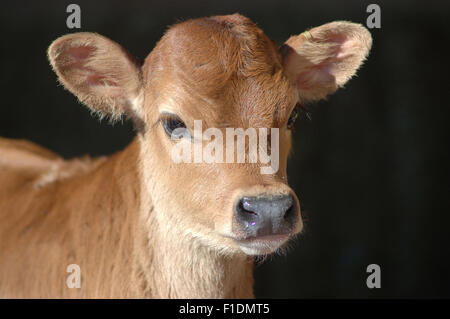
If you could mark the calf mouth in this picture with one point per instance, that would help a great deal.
(262, 245)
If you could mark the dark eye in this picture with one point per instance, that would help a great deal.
(174, 126)
(292, 118)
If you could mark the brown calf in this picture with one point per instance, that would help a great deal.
(137, 223)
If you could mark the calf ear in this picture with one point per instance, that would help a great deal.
(324, 58)
(98, 71)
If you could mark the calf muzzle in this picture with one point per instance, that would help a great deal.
(266, 215)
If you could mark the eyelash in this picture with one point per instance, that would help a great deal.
(299, 110)
(293, 117)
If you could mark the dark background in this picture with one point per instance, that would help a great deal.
(371, 168)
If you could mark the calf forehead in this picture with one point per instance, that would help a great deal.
(224, 68)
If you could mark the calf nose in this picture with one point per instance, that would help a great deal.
(266, 215)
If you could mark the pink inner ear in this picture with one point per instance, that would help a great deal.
(80, 53)
(80, 56)
(77, 56)
(323, 74)
(319, 75)
(346, 49)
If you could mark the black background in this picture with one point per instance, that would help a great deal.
(370, 169)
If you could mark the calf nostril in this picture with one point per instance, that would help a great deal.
(290, 212)
(245, 214)
(243, 208)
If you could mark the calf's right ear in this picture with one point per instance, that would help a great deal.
(99, 72)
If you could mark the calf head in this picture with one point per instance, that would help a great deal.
(225, 72)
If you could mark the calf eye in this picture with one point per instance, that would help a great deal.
(292, 118)
(174, 126)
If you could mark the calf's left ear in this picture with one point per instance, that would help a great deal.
(99, 72)
(324, 58)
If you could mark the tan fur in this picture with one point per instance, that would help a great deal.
(136, 223)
